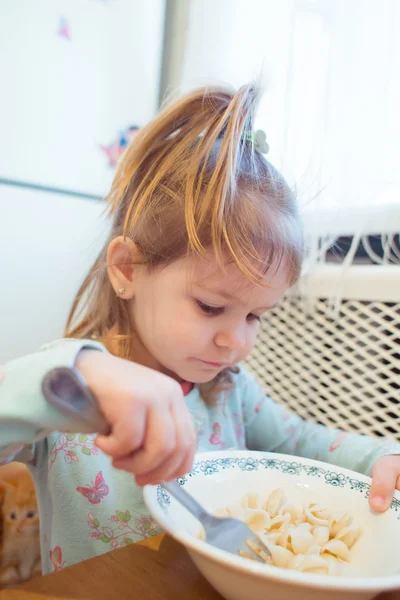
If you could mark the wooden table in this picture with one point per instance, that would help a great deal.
(156, 569)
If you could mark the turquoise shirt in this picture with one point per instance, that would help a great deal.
(86, 506)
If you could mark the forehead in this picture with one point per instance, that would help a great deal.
(206, 274)
(19, 495)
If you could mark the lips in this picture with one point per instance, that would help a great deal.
(217, 365)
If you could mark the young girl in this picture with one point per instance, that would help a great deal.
(205, 239)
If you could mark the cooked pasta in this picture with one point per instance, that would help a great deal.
(309, 538)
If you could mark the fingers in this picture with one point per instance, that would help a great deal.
(169, 448)
(159, 444)
(167, 471)
(124, 439)
(385, 478)
(181, 460)
(187, 440)
(157, 449)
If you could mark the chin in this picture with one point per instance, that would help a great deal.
(198, 376)
(199, 379)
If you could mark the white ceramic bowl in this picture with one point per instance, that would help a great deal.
(220, 479)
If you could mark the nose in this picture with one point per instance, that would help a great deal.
(232, 337)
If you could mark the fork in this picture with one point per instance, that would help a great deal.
(231, 535)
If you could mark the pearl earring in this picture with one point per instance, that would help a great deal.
(121, 291)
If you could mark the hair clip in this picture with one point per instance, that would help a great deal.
(258, 139)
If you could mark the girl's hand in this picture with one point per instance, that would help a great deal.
(385, 479)
(152, 433)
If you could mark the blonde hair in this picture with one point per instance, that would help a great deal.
(192, 180)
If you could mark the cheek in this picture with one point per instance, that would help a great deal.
(169, 322)
(189, 330)
(31, 525)
(252, 337)
(151, 310)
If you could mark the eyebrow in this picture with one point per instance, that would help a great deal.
(228, 296)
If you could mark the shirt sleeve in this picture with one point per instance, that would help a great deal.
(271, 427)
(26, 417)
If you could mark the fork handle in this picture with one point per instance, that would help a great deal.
(187, 501)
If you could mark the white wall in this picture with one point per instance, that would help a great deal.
(60, 100)
(63, 98)
(47, 243)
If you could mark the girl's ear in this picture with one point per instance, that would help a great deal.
(123, 258)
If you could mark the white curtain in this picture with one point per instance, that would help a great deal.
(331, 74)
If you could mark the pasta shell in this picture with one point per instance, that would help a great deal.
(295, 562)
(321, 511)
(302, 519)
(308, 538)
(283, 539)
(321, 534)
(251, 500)
(315, 549)
(349, 535)
(280, 556)
(278, 521)
(325, 514)
(271, 537)
(335, 566)
(338, 515)
(275, 501)
(314, 519)
(301, 540)
(338, 549)
(296, 512)
(339, 521)
(305, 526)
(258, 520)
(314, 564)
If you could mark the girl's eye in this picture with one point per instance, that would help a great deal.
(253, 317)
(13, 516)
(212, 311)
(30, 514)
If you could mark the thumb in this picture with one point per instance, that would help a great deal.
(384, 478)
(110, 445)
(124, 438)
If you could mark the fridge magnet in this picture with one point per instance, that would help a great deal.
(63, 29)
(114, 150)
